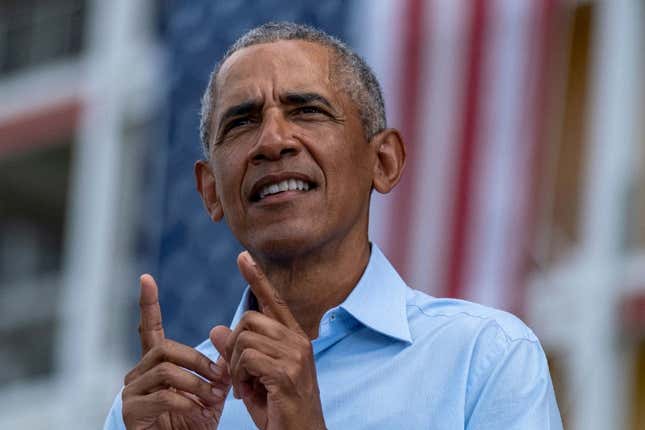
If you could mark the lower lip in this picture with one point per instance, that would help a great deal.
(282, 197)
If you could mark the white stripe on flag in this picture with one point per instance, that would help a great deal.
(499, 178)
(438, 119)
(381, 50)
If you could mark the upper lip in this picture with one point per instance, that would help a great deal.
(275, 178)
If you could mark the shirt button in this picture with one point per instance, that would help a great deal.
(332, 317)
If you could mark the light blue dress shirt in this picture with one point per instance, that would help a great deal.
(390, 357)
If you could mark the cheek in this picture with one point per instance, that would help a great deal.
(350, 174)
(228, 176)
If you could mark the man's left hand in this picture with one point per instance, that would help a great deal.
(271, 360)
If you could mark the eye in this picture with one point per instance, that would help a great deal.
(309, 110)
(230, 128)
(238, 122)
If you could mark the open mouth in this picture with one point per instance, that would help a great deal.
(282, 186)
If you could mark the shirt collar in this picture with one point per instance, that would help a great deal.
(378, 300)
(245, 305)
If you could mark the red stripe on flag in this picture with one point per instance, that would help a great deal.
(542, 38)
(467, 143)
(410, 81)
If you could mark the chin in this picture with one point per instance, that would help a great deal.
(279, 246)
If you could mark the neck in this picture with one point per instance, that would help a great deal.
(313, 283)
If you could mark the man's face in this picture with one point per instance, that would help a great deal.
(292, 167)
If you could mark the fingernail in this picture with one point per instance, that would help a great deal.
(217, 392)
(249, 259)
(207, 412)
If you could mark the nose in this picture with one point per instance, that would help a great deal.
(275, 141)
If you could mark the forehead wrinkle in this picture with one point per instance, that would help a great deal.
(276, 59)
(236, 95)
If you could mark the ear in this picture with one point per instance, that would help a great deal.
(205, 181)
(390, 159)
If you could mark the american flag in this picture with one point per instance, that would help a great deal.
(465, 81)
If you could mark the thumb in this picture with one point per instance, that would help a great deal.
(219, 335)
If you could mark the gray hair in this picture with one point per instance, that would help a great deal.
(358, 80)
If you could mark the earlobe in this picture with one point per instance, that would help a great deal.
(390, 159)
(206, 186)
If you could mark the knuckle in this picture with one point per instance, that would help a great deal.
(201, 387)
(278, 300)
(128, 414)
(161, 351)
(307, 349)
(302, 352)
(293, 373)
(295, 370)
(251, 317)
(303, 343)
(247, 318)
(244, 338)
(246, 356)
(259, 274)
(129, 377)
(284, 373)
(164, 398)
(166, 344)
(164, 373)
(155, 351)
(126, 393)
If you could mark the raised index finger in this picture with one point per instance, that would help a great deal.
(150, 326)
(272, 304)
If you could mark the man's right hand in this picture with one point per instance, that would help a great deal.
(173, 386)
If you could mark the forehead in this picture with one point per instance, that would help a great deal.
(285, 65)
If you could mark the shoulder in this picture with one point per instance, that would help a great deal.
(496, 354)
(428, 313)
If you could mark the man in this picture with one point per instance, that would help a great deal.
(327, 335)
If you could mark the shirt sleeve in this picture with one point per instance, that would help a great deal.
(114, 420)
(511, 387)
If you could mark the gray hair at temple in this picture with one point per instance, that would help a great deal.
(351, 74)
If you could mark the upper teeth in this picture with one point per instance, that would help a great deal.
(286, 185)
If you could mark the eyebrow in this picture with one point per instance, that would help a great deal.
(305, 98)
(290, 98)
(243, 108)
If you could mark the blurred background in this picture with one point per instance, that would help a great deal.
(524, 189)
